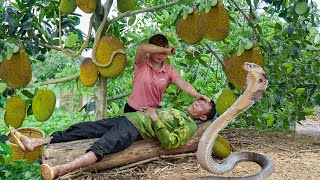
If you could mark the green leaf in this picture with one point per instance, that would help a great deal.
(132, 19)
(301, 7)
(71, 40)
(203, 62)
(5, 148)
(308, 111)
(189, 10)
(15, 48)
(247, 44)
(9, 54)
(317, 39)
(3, 87)
(214, 2)
(270, 119)
(115, 107)
(208, 8)
(165, 14)
(184, 15)
(27, 94)
(240, 50)
(300, 90)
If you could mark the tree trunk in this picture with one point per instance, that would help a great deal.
(101, 98)
(61, 153)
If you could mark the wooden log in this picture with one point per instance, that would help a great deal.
(61, 153)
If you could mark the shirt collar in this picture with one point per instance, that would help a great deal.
(162, 68)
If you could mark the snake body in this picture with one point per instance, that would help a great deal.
(256, 84)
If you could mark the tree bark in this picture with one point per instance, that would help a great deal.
(61, 153)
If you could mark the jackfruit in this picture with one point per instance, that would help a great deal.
(126, 5)
(17, 71)
(222, 148)
(106, 46)
(87, 6)
(15, 111)
(187, 29)
(233, 67)
(88, 72)
(68, 6)
(225, 100)
(215, 25)
(43, 104)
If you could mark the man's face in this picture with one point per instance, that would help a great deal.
(199, 108)
(158, 57)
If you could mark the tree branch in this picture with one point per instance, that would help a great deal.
(118, 96)
(55, 81)
(214, 53)
(130, 13)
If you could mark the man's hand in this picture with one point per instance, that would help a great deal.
(151, 113)
(204, 97)
(171, 51)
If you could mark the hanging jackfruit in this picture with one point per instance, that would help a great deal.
(43, 104)
(225, 100)
(222, 148)
(88, 72)
(15, 111)
(16, 72)
(233, 67)
(126, 5)
(67, 6)
(215, 25)
(87, 6)
(106, 46)
(187, 29)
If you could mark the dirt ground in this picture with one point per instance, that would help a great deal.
(295, 155)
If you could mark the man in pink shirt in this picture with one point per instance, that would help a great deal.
(152, 76)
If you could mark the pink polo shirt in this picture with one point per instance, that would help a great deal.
(149, 85)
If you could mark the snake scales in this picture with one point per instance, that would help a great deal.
(256, 84)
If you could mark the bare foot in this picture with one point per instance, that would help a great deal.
(27, 142)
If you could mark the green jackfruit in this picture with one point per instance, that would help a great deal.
(187, 29)
(106, 46)
(68, 6)
(222, 148)
(233, 67)
(43, 104)
(225, 100)
(126, 5)
(215, 25)
(87, 6)
(17, 71)
(88, 72)
(15, 111)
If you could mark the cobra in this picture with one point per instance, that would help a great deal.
(256, 84)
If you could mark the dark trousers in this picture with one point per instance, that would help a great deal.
(128, 108)
(115, 134)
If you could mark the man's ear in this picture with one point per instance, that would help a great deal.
(203, 117)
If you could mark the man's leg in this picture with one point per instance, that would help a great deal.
(119, 137)
(78, 131)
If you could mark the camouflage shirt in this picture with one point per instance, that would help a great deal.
(173, 129)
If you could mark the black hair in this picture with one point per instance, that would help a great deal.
(159, 40)
(210, 115)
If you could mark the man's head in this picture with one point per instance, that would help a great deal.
(202, 110)
(159, 40)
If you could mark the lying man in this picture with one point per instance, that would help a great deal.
(173, 128)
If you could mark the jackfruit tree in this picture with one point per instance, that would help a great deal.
(212, 38)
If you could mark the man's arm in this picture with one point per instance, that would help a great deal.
(172, 139)
(144, 49)
(189, 89)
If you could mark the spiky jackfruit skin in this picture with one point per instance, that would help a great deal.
(215, 25)
(15, 111)
(87, 6)
(106, 46)
(43, 104)
(225, 100)
(222, 147)
(88, 72)
(126, 5)
(187, 29)
(233, 67)
(67, 6)
(17, 71)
